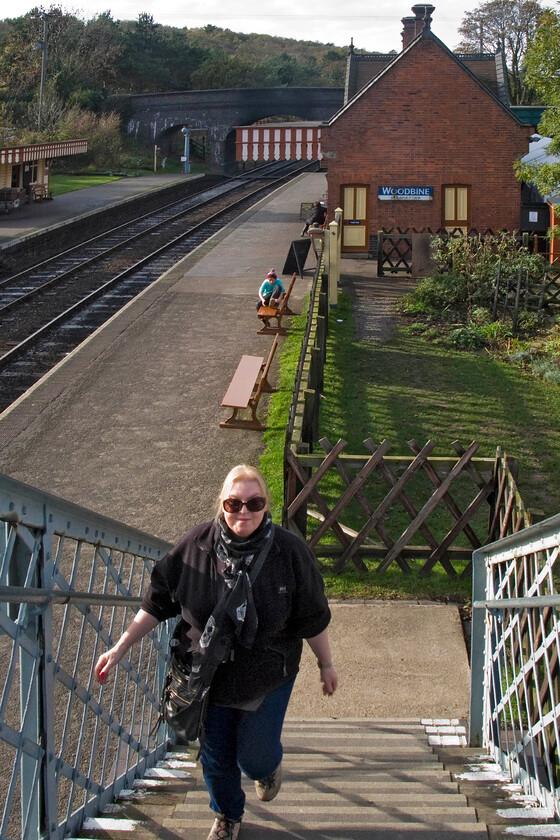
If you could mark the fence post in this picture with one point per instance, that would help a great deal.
(476, 717)
(380, 253)
(334, 261)
(31, 695)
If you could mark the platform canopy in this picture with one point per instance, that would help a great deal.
(41, 151)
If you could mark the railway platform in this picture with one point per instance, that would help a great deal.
(128, 425)
(129, 422)
(39, 215)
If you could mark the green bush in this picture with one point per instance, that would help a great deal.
(441, 296)
(521, 358)
(495, 332)
(471, 265)
(468, 337)
(547, 370)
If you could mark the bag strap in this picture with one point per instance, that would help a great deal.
(218, 615)
(263, 554)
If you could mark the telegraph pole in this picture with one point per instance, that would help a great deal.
(42, 45)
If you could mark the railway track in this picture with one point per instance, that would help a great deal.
(48, 309)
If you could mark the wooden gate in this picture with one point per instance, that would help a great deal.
(351, 507)
(394, 254)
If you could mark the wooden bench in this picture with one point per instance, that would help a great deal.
(269, 313)
(40, 192)
(249, 381)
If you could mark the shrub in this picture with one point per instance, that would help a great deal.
(468, 337)
(495, 332)
(475, 260)
(520, 357)
(547, 370)
(441, 296)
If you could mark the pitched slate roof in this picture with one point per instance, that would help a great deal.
(463, 61)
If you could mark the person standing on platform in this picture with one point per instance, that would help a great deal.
(271, 290)
(273, 612)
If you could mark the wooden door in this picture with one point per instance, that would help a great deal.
(355, 221)
(456, 208)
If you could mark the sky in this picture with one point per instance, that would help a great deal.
(374, 26)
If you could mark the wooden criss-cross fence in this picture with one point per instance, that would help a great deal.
(509, 513)
(334, 500)
(394, 252)
(511, 293)
(393, 509)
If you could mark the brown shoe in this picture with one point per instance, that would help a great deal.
(224, 829)
(268, 788)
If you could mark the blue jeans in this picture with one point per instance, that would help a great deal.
(238, 742)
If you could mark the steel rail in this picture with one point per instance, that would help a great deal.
(30, 340)
(135, 219)
(536, 602)
(64, 275)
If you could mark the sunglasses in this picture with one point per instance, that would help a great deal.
(254, 505)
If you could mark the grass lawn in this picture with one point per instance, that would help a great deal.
(408, 388)
(60, 184)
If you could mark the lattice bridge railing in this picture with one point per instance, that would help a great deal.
(70, 582)
(515, 695)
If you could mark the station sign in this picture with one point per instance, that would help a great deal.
(405, 193)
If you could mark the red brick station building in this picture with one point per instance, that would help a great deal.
(426, 138)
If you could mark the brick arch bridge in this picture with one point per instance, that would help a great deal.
(152, 117)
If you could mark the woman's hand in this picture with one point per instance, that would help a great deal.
(105, 663)
(320, 647)
(329, 678)
(141, 624)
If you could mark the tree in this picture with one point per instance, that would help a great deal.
(20, 63)
(542, 64)
(102, 48)
(507, 25)
(220, 70)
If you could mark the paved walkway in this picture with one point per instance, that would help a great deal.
(128, 425)
(29, 218)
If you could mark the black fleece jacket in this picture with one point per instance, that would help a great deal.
(289, 598)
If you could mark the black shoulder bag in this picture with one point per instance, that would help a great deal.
(185, 694)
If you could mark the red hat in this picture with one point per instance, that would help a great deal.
(271, 273)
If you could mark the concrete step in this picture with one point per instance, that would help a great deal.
(501, 805)
(343, 780)
(358, 779)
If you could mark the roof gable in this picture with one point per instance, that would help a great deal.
(390, 65)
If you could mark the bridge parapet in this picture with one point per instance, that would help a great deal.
(150, 117)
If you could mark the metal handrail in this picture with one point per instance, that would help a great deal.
(534, 603)
(44, 597)
(515, 655)
(70, 581)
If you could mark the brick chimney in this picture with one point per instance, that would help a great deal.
(423, 17)
(409, 31)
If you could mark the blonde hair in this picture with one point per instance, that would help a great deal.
(239, 473)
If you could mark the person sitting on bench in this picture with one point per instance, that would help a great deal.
(271, 290)
(318, 216)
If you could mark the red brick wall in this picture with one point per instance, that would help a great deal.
(426, 122)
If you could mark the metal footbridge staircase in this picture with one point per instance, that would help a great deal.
(82, 760)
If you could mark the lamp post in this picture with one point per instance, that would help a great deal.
(186, 153)
(42, 45)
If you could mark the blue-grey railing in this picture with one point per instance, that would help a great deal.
(70, 581)
(515, 693)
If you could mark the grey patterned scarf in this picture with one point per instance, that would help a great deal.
(238, 555)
